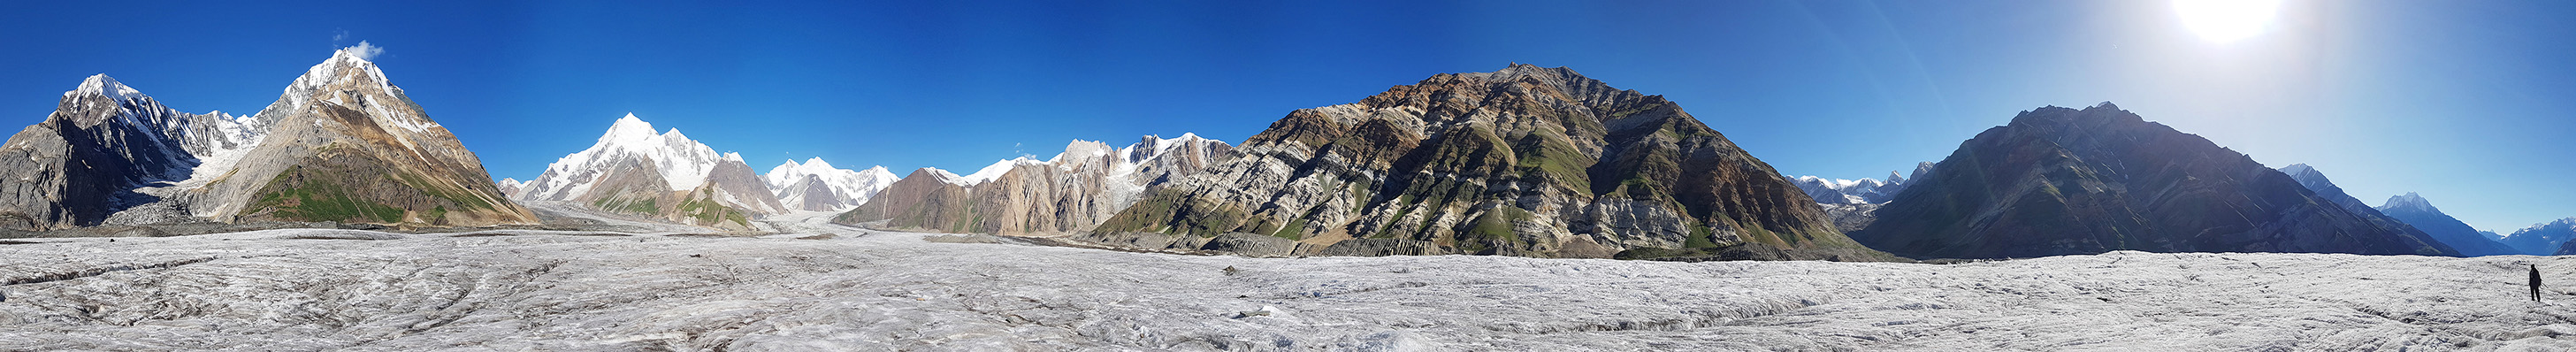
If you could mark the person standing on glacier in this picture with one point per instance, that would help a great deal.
(2535, 282)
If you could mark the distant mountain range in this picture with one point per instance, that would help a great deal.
(2059, 181)
(1523, 161)
(1072, 192)
(633, 170)
(1861, 191)
(341, 144)
(816, 186)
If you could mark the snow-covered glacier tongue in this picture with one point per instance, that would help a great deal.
(311, 289)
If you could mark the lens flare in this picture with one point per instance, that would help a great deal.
(2226, 20)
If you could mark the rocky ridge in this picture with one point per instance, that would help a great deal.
(1525, 161)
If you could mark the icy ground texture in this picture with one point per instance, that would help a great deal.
(517, 290)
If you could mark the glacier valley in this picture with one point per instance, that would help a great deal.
(821, 286)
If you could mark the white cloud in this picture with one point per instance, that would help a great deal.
(365, 51)
(339, 36)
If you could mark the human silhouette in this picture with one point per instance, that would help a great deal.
(2535, 282)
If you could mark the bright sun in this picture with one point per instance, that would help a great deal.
(2226, 20)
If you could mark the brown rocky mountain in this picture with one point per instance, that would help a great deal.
(1071, 193)
(2059, 181)
(1525, 161)
(346, 145)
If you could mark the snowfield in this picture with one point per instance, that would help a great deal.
(865, 290)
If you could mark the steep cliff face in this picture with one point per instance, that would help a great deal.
(346, 145)
(2064, 181)
(1524, 161)
(1071, 193)
(104, 140)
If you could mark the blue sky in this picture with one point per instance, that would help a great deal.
(2463, 101)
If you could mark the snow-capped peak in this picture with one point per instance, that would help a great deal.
(629, 130)
(101, 84)
(850, 188)
(2409, 201)
(683, 163)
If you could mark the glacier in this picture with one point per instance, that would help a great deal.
(819, 286)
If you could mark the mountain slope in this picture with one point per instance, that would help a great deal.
(816, 185)
(2415, 210)
(2061, 181)
(346, 145)
(1523, 161)
(633, 170)
(104, 140)
(1072, 192)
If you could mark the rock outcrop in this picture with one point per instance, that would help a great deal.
(1071, 193)
(1525, 161)
(2415, 211)
(2062, 181)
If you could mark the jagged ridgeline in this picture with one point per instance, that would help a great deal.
(1525, 161)
(341, 144)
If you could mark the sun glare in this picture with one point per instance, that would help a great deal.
(2226, 20)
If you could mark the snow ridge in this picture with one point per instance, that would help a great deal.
(1861, 191)
(1123, 163)
(851, 187)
